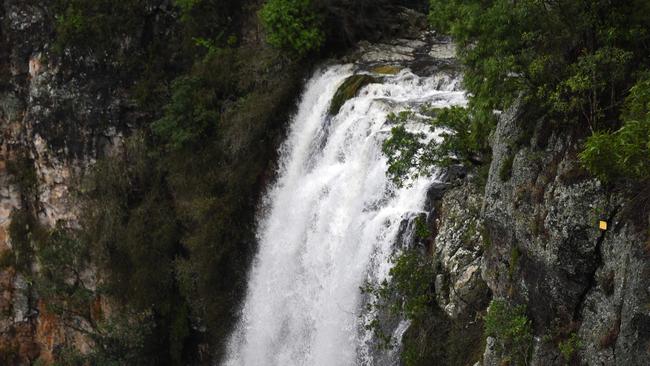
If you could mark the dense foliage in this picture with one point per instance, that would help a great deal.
(573, 59)
(624, 154)
(293, 25)
(572, 63)
(301, 27)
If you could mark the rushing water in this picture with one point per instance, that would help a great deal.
(330, 223)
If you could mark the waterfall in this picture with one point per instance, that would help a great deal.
(330, 223)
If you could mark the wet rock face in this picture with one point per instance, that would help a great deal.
(411, 46)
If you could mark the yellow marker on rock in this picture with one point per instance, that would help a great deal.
(602, 225)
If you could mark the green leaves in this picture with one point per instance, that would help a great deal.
(186, 5)
(409, 292)
(464, 140)
(581, 93)
(97, 26)
(189, 115)
(623, 155)
(292, 25)
(569, 347)
(512, 330)
(412, 279)
(569, 61)
(404, 150)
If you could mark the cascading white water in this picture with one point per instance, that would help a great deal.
(330, 223)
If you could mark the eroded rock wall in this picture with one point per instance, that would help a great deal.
(56, 119)
(537, 242)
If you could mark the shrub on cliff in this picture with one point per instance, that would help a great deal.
(302, 26)
(512, 331)
(409, 293)
(624, 154)
(130, 227)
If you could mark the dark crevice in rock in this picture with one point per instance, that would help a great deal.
(592, 279)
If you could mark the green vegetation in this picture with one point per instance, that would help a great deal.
(189, 115)
(575, 58)
(432, 338)
(620, 155)
(293, 25)
(24, 231)
(512, 331)
(408, 293)
(403, 149)
(411, 279)
(422, 230)
(570, 62)
(215, 176)
(67, 287)
(90, 25)
(624, 155)
(186, 5)
(307, 28)
(62, 259)
(409, 156)
(569, 347)
(505, 172)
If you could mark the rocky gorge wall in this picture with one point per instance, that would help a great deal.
(530, 235)
(56, 119)
(532, 238)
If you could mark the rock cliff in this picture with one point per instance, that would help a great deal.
(533, 238)
(58, 115)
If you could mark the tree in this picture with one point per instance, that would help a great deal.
(624, 154)
(293, 25)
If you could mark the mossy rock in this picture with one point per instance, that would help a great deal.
(349, 89)
(387, 69)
